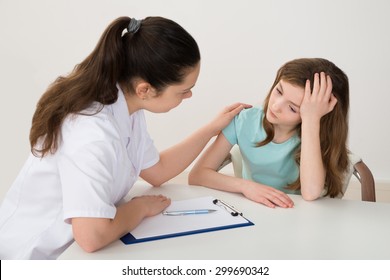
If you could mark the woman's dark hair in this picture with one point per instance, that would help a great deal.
(160, 53)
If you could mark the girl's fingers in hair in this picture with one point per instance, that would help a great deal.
(307, 90)
(316, 84)
(323, 84)
(329, 88)
(326, 85)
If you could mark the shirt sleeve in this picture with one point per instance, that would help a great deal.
(86, 162)
(151, 155)
(230, 132)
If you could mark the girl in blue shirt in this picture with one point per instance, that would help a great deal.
(296, 143)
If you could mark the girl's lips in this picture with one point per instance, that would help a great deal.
(272, 114)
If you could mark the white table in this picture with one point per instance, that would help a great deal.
(322, 229)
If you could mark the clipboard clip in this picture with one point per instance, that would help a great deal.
(233, 211)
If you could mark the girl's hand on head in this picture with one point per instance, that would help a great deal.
(266, 195)
(152, 204)
(226, 116)
(320, 101)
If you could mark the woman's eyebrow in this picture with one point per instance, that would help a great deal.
(187, 89)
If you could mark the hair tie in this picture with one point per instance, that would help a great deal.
(134, 25)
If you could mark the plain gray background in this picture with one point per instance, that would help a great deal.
(242, 43)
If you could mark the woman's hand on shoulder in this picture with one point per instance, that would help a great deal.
(266, 195)
(226, 116)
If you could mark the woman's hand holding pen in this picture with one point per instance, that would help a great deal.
(320, 101)
(226, 116)
(266, 195)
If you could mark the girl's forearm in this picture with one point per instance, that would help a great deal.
(312, 172)
(207, 177)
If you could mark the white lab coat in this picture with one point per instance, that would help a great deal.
(98, 161)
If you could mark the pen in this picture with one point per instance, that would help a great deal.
(188, 212)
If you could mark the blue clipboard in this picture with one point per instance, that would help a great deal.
(163, 226)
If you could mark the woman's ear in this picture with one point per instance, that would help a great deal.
(144, 90)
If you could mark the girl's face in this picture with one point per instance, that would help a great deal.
(283, 105)
(173, 95)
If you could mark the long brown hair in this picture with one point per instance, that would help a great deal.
(333, 126)
(160, 52)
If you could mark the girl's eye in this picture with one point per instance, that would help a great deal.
(292, 109)
(279, 92)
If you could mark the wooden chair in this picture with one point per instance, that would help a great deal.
(357, 168)
(364, 175)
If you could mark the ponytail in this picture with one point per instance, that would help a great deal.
(94, 79)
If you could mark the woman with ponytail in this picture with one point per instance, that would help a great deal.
(89, 142)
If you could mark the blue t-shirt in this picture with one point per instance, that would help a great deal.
(273, 164)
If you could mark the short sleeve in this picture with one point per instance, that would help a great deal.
(151, 155)
(86, 163)
(230, 132)
(143, 143)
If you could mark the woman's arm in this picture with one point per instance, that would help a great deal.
(93, 234)
(174, 160)
(314, 106)
(204, 173)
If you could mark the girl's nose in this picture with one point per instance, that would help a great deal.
(276, 106)
(187, 95)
